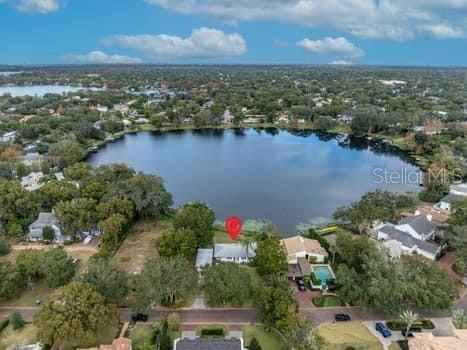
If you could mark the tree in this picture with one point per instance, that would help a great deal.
(178, 242)
(11, 280)
(221, 284)
(353, 251)
(254, 344)
(73, 317)
(56, 191)
(114, 229)
(270, 257)
(173, 321)
(199, 218)
(249, 239)
(77, 215)
(116, 205)
(16, 203)
(148, 194)
(164, 281)
(409, 318)
(276, 306)
(107, 279)
(56, 267)
(48, 234)
(66, 152)
(28, 263)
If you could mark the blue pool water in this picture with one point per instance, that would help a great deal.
(322, 273)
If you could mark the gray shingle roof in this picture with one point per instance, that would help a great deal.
(419, 223)
(209, 344)
(234, 250)
(407, 240)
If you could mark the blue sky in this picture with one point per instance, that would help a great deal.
(381, 32)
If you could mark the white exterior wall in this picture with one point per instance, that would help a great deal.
(303, 254)
(407, 229)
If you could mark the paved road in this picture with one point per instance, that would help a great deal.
(245, 316)
(222, 316)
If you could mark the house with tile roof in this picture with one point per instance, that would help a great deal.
(300, 247)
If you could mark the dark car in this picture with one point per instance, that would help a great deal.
(301, 285)
(139, 318)
(411, 331)
(341, 317)
(380, 327)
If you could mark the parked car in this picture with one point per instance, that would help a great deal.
(341, 317)
(411, 331)
(301, 285)
(139, 318)
(381, 327)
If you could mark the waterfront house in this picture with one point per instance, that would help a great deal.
(44, 220)
(228, 117)
(398, 242)
(234, 252)
(300, 247)
(456, 193)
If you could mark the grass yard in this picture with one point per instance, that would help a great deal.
(221, 236)
(394, 346)
(140, 244)
(267, 340)
(9, 337)
(345, 334)
(28, 297)
(141, 334)
(327, 301)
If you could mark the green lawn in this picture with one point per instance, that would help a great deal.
(141, 334)
(9, 337)
(327, 301)
(28, 297)
(268, 340)
(345, 334)
(394, 346)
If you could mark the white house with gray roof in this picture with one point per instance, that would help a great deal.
(234, 252)
(418, 226)
(398, 242)
(456, 193)
(46, 220)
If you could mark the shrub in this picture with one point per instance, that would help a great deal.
(312, 259)
(4, 324)
(398, 325)
(254, 344)
(173, 322)
(48, 234)
(5, 247)
(16, 321)
(213, 332)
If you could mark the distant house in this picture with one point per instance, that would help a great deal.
(142, 121)
(445, 203)
(32, 182)
(228, 117)
(46, 220)
(234, 252)
(209, 344)
(8, 136)
(121, 343)
(31, 159)
(459, 189)
(299, 247)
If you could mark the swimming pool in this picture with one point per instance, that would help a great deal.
(323, 273)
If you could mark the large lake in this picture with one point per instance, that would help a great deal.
(287, 178)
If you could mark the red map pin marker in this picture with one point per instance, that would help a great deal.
(233, 225)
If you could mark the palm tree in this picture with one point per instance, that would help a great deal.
(248, 239)
(409, 318)
(459, 318)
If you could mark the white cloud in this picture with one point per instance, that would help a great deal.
(35, 6)
(99, 57)
(340, 62)
(202, 43)
(392, 19)
(443, 31)
(332, 46)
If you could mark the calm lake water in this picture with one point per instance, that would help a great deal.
(287, 178)
(38, 90)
